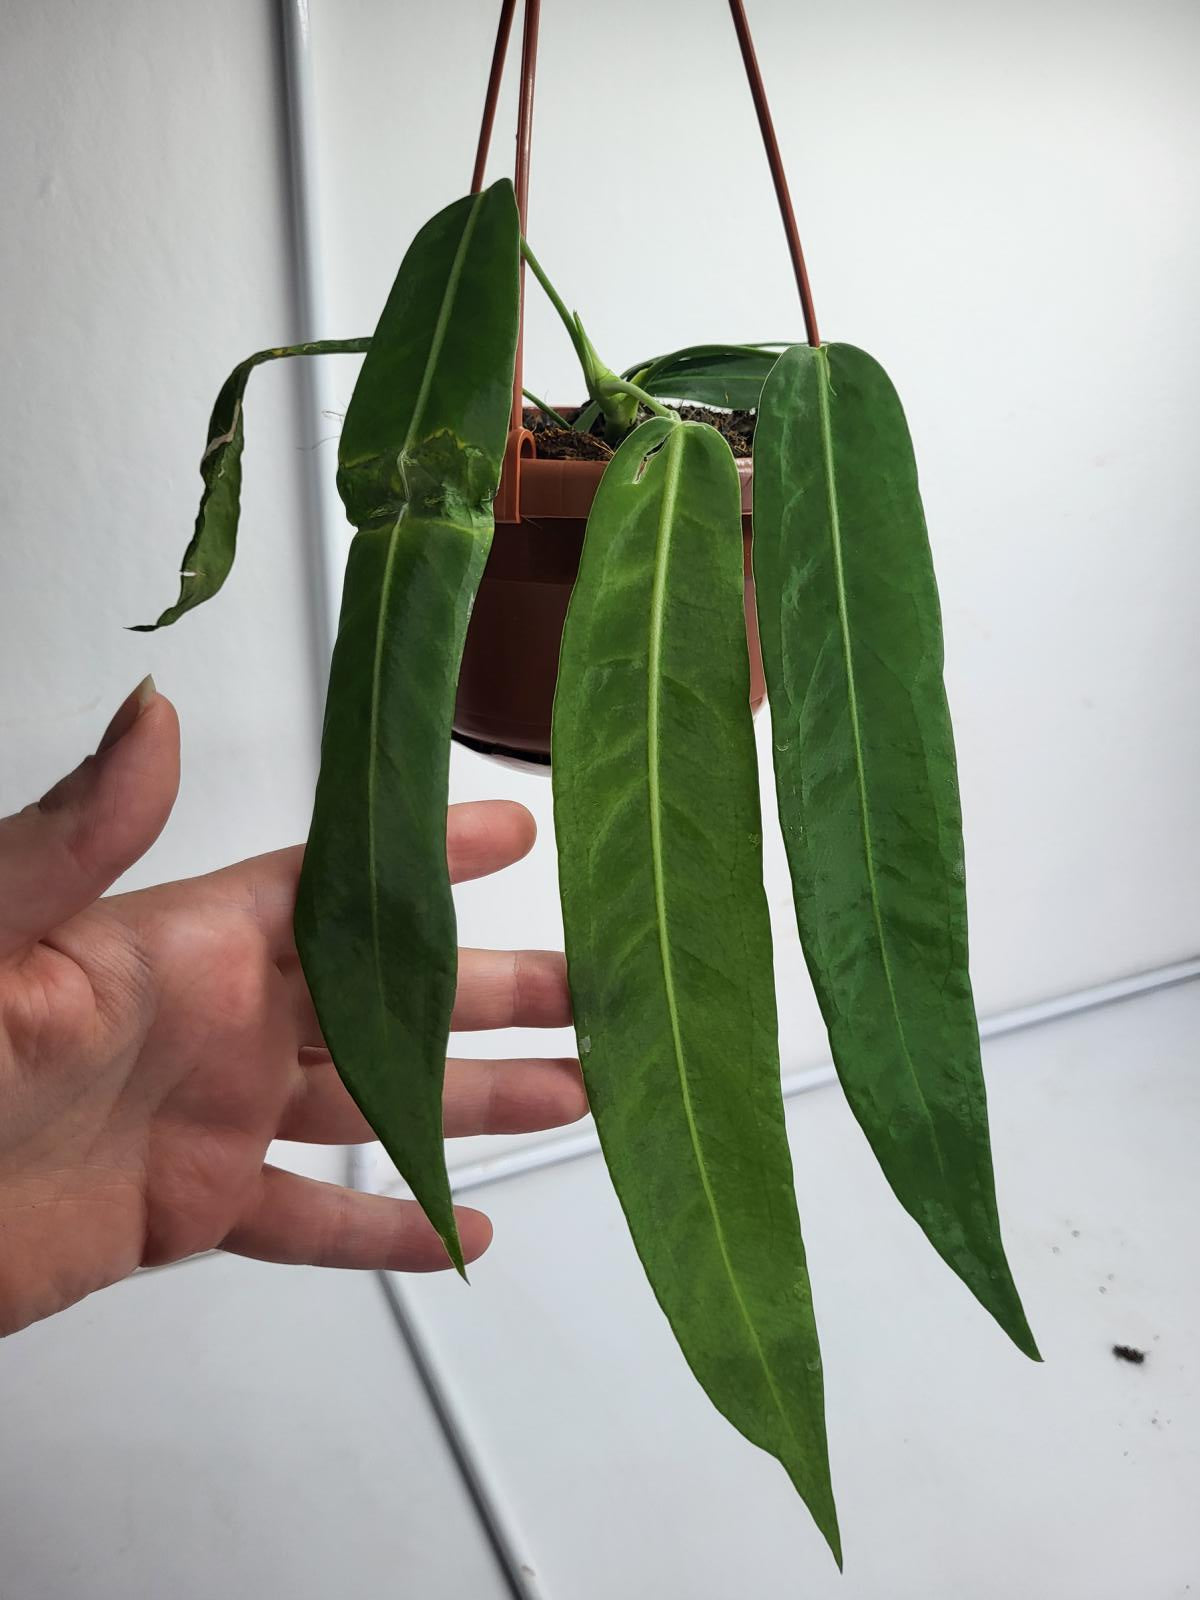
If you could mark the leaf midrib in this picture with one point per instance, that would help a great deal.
(673, 454)
(825, 423)
(435, 349)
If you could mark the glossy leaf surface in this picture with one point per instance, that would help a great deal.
(668, 940)
(868, 792)
(729, 376)
(209, 556)
(420, 461)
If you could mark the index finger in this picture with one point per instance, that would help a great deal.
(483, 836)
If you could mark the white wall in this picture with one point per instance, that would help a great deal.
(997, 201)
(228, 1428)
(221, 1427)
(146, 251)
(962, 1470)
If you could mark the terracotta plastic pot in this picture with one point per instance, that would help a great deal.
(510, 661)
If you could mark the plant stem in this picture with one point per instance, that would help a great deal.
(547, 411)
(623, 386)
(612, 394)
(556, 300)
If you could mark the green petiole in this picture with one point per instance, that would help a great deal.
(615, 386)
(547, 411)
(618, 405)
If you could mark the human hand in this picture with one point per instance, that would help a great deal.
(153, 1044)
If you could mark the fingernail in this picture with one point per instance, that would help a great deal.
(128, 712)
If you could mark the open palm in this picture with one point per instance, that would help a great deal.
(153, 1044)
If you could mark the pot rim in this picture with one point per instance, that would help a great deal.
(547, 489)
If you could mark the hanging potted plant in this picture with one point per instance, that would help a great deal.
(643, 632)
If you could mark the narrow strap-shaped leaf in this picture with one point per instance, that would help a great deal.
(668, 940)
(868, 792)
(209, 556)
(726, 375)
(420, 461)
(730, 376)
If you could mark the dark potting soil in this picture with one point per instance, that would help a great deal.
(564, 444)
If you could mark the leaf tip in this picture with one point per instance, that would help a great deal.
(453, 1246)
(827, 1522)
(816, 1491)
(1003, 1303)
(171, 614)
(1023, 1338)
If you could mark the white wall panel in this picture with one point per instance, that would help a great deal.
(221, 1427)
(996, 202)
(146, 250)
(961, 1468)
(228, 1428)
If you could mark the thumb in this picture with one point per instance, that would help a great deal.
(59, 855)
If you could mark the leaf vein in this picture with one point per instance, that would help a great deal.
(445, 312)
(673, 451)
(824, 387)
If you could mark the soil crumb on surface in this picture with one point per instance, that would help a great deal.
(564, 444)
(1129, 1352)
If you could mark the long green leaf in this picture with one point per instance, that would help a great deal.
(668, 939)
(209, 556)
(868, 792)
(420, 460)
(730, 376)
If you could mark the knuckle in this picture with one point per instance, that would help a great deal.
(520, 983)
